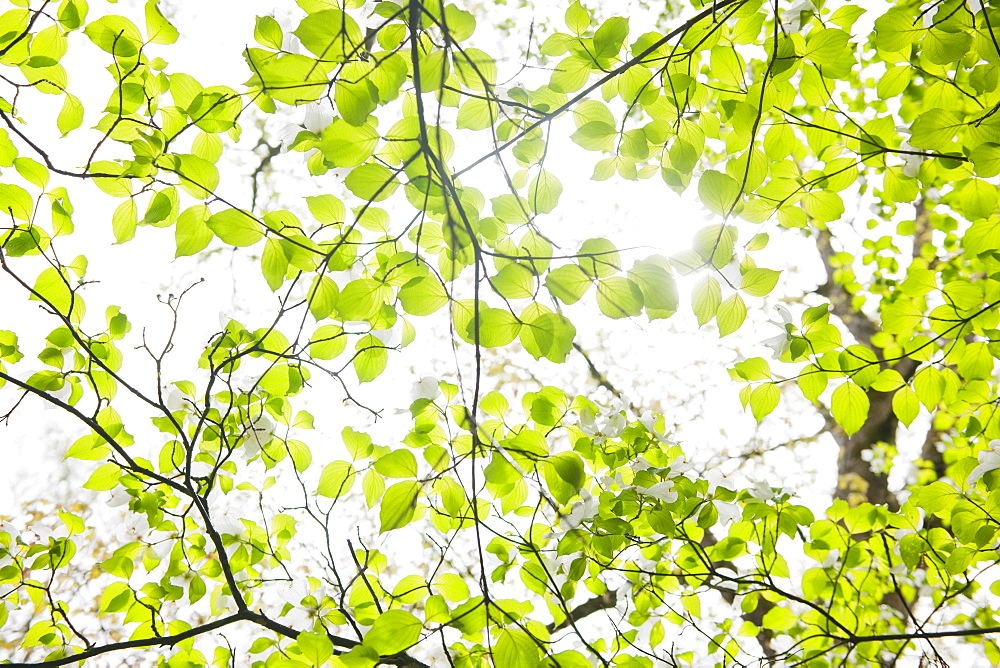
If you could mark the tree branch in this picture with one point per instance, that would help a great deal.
(399, 659)
(858, 324)
(608, 599)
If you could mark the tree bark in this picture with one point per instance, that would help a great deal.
(857, 482)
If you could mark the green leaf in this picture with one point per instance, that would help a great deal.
(659, 291)
(359, 300)
(87, 449)
(268, 32)
(706, 298)
(355, 94)
(397, 464)
(543, 192)
(331, 35)
(336, 479)
(497, 327)
(123, 221)
(577, 18)
(861, 364)
(928, 383)
(371, 182)
(184, 88)
(849, 405)
(567, 283)
(564, 475)
(896, 30)
(299, 452)
(823, 46)
(399, 505)
(934, 129)
(515, 281)
(894, 81)
(898, 187)
(70, 116)
(199, 177)
(529, 151)
(511, 209)
(315, 647)
(779, 141)
(548, 335)
(72, 13)
(290, 78)
(53, 286)
(812, 381)
(888, 380)
(347, 145)
(905, 405)
(718, 192)
(599, 258)
(452, 587)
(763, 399)
(157, 27)
(160, 207)
(15, 201)
(715, 244)
(823, 206)
(116, 597)
(901, 317)
(373, 486)
(327, 342)
(936, 497)
(433, 68)
(394, 630)
(608, 39)
(274, 264)
(514, 648)
(116, 35)
(322, 297)
(986, 158)
(235, 227)
(619, 297)
(215, 109)
(326, 208)
(570, 74)
(976, 362)
(32, 171)
(982, 237)
(105, 477)
(978, 199)
(423, 295)
(944, 47)
(476, 69)
(371, 358)
(779, 619)
(759, 282)
(731, 314)
(595, 136)
(476, 114)
(191, 233)
(358, 443)
(755, 368)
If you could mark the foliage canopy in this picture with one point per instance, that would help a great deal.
(593, 540)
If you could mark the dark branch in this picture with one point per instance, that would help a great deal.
(607, 600)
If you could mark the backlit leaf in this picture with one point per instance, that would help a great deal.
(849, 405)
(235, 227)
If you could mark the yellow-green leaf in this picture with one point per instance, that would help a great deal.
(849, 405)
